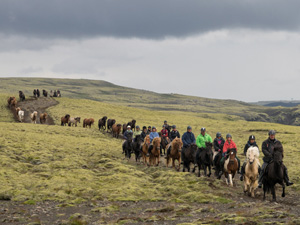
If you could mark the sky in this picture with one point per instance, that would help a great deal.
(247, 50)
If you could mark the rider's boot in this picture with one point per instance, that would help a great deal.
(149, 150)
(286, 177)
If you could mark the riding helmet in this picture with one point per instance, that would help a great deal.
(153, 127)
(203, 129)
(128, 126)
(218, 134)
(165, 121)
(137, 127)
(272, 132)
(144, 127)
(164, 126)
(252, 137)
(173, 126)
(189, 128)
(228, 136)
(149, 126)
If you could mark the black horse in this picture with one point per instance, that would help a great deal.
(132, 124)
(274, 173)
(38, 93)
(128, 147)
(137, 144)
(45, 93)
(102, 123)
(204, 159)
(22, 96)
(110, 122)
(189, 156)
(34, 93)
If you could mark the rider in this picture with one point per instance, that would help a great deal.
(229, 143)
(165, 133)
(152, 135)
(250, 143)
(136, 133)
(167, 126)
(202, 138)
(174, 133)
(144, 133)
(218, 145)
(188, 138)
(127, 134)
(267, 149)
(149, 130)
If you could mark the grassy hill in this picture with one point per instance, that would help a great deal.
(107, 92)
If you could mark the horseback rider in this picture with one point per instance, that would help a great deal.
(144, 133)
(267, 149)
(127, 135)
(251, 143)
(149, 130)
(166, 126)
(202, 138)
(136, 133)
(152, 135)
(218, 146)
(229, 143)
(188, 138)
(174, 133)
(165, 133)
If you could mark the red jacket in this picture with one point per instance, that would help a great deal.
(164, 133)
(228, 146)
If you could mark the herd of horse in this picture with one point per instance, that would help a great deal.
(202, 158)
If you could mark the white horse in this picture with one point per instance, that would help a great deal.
(251, 171)
(21, 115)
(73, 121)
(33, 117)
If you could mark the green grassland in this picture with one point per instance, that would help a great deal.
(107, 92)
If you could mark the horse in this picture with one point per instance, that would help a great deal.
(110, 122)
(58, 93)
(217, 163)
(204, 159)
(116, 129)
(155, 152)
(33, 117)
(43, 117)
(9, 101)
(175, 153)
(136, 145)
(45, 93)
(145, 148)
(21, 96)
(274, 173)
(251, 171)
(88, 122)
(65, 119)
(189, 156)
(74, 121)
(38, 93)
(124, 128)
(164, 142)
(127, 147)
(20, 114)
(34, 93)
(230, 166)
(102, 123)
(132, 124)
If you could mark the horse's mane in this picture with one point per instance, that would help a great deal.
(176, 142)
(278, 147)
(254, 150)
(156, 139)
(232, 149)
(147, 139)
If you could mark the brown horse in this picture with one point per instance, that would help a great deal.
(124, 128)
(102, 123)
(12, 102)
(155, 152)
(175, 153)
(43, 118)
(145, 148)
(88, 122)
(230, 166)
(65, 119)
(165, 141)
(116, 129)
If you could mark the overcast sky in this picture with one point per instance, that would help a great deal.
(229, 49)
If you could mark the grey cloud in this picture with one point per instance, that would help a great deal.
(153, 19)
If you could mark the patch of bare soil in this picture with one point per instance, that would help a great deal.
(36, 104)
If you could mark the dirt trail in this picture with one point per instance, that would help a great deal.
(36, 104)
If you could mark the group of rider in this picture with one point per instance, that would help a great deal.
(220, 145)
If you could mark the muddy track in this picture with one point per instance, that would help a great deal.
(36, 104)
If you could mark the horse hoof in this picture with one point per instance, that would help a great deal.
(283, 195)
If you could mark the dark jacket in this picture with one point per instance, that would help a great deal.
(128, 134)
(218, 147)
(268, 149)
(248, 145)
(174, 134)
(143, 135)
(188, 138)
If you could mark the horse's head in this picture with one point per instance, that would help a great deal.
(104, 118)
(194, 147)
(156, 142)
(77, 119)
(133, 122)
(232, 154)
(113, 121)
(252, 154)
(278, 153)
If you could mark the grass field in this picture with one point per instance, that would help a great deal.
(71, 165)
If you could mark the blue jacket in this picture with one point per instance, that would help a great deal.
(188, 138)
(153, 135)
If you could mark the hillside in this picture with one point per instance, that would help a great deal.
(107, 92)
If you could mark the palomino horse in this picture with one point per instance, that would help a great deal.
(88, 122)
(204, 159)
(33, 117)
(189, 156)
(155, 152)
(43, 118)
(175, 153)
(145, 148)
(274, 173)
(74, 121)
(116, 129)
(251, 171)
(20, 114)
(65, 119)
(230, 166)
(102, 123)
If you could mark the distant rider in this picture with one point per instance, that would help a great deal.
(136, 133)
(152, 135)
(188, 138)
(218, 146)
(202, 138)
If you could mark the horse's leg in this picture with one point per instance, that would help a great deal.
(273, 193)
(265, 190)
(173, 163)
(199, 169)
(283, 190)
(209, 168)
(205, 170)
(230, 179)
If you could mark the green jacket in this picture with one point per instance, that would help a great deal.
(200, 142)
(135, 133)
